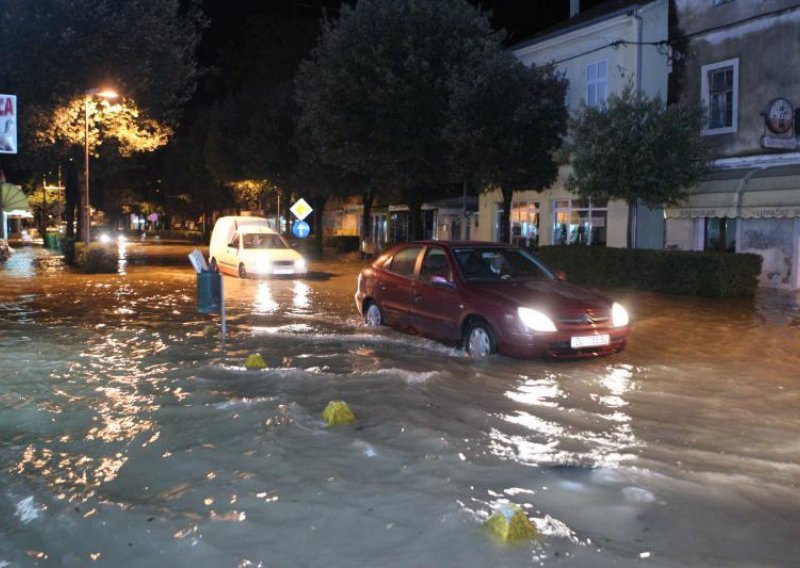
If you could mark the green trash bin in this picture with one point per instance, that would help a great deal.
(209, 292)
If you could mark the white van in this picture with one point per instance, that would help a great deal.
(249, 247)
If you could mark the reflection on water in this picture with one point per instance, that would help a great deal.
(129, 437)
(563, 425)
(264, 302)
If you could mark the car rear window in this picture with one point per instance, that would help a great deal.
(404, 261)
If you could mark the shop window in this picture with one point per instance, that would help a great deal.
(720, 234)
(720, 94)
(525, 223)
(578, 222)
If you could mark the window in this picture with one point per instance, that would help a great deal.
(404, 261)
(720, 94)
(577, 222)
(435, 264)
(596, 83)
(720, 234)
(525, 223)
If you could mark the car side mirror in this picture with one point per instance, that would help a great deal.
(561, 275)
(442, 281)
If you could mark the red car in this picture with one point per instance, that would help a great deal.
(488, 297)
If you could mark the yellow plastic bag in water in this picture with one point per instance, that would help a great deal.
(254, 361)
(337, 412)
(511, 524)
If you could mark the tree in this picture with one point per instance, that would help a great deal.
(56, 50)
(506, 121)
(375, 95)
(637, 149)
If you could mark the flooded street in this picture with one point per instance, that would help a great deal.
(127, 437)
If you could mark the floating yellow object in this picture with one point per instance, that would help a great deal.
(337, 412)
(511, 523)
(209, 331)
(255, 361)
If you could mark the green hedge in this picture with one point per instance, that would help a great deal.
(710, 274)
(97, 258)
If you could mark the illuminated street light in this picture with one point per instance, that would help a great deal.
(85, 207)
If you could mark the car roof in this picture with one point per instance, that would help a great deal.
(459, 244)
(250, 229)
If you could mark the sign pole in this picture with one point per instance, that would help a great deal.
(222, 306)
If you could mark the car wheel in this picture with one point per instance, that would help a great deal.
(479, 340)
(213, 265)
(373, 316)
(242, 271)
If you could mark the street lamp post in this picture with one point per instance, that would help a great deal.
(86, 216)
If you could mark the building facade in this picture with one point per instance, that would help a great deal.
(739, 58)
(600, 52)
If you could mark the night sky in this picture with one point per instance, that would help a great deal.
(520, 18)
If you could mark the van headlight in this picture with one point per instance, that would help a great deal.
(619, 316)
(300, 264)
(536, 320)
(265, 265)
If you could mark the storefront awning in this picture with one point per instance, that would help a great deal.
(12, 198)
(752, 193)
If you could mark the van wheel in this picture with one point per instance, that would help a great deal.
(213, 265)
(242, 271)
(479, 340)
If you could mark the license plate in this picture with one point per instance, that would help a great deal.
(577, 342)
(284, 271)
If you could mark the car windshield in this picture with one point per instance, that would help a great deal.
(499, 263)
(262, 241)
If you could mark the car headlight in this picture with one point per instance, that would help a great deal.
(535, 320)
(265, 265)
(300, 263)
(619, 316)
(104, 238)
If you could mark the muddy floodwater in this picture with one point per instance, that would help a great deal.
(128, 438)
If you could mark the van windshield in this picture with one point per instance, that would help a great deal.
(263, 241)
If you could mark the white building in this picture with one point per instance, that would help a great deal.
(599, 51)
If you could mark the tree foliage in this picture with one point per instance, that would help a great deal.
(506, 121)
(93, 121)
(55, 51)
(637, 148)
(374, 98)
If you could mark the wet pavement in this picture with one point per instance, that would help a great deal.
(128, 437)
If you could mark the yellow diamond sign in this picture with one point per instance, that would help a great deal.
(301, 209)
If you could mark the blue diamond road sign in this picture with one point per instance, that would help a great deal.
(300, 229)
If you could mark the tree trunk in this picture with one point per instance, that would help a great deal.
(286, 205)
(367, 198)
(413, 199)
(318, 203)
(505, 218)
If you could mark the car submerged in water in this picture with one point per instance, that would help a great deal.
(488, 297)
